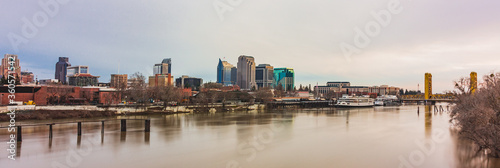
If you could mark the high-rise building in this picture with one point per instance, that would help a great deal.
(4, 68)
(264, 75)
(118, 81)
(188, 82)
(225, 73)
(246, 72)
(234, 75)
(163, 68)
(169, 62)
(284, 77)
(62, 69)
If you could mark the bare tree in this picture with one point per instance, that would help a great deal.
(279, 91)
(168, 94)
(264, 95)
(137, 91)
(477, 116)
(59, 94)
(212, 85)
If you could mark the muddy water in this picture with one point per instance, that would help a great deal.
(405, 136)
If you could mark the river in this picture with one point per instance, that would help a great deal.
(405, 136)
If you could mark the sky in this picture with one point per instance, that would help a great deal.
(389, 42)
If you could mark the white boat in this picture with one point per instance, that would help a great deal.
(387, 100)
(355, 101)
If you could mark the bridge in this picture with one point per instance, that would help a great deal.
(433, 98)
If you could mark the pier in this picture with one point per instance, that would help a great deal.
(123, 127)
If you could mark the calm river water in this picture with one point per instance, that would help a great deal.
(366, 137)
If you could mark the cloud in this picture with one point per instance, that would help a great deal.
(446, 39)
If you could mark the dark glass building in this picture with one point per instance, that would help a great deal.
(189, 82)
(62, 69)
(264, 76)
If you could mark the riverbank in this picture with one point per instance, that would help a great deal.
(56, 114)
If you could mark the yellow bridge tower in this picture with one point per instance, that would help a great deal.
(428, 86)
(473, 82)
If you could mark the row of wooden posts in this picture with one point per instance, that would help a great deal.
(123, 128)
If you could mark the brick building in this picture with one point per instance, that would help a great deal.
(61, 94)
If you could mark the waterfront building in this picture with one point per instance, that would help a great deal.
(284, 77)
(118, 81)
(188, 82)
(246, 72)
(225, 72)
(264, 76)
(330, 87)
(163, 68)
(324, 90)
(338, 84)
(5, 66)
(62, 69)
(384, 90)
(52, 94)
(355, 89)
(27, 77)
(161, 80)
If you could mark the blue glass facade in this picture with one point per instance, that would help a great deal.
(226, 73)
(284, 77)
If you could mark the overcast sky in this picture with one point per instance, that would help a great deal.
(446, 38)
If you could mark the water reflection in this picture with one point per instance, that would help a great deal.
(428, 121)
(325, 137)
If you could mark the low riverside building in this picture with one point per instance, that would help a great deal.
(384, 90)
(331, 87)
(61, 94)
(340, 88)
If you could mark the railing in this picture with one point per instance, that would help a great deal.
(449, 97)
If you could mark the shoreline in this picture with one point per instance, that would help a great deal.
(75, 114)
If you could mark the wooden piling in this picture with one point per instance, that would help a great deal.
(19, 134)
(102, 127)
(123, 125)
(50, 131)
(147, 125)
(79, 128)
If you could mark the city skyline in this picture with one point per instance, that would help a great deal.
(305, 36)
